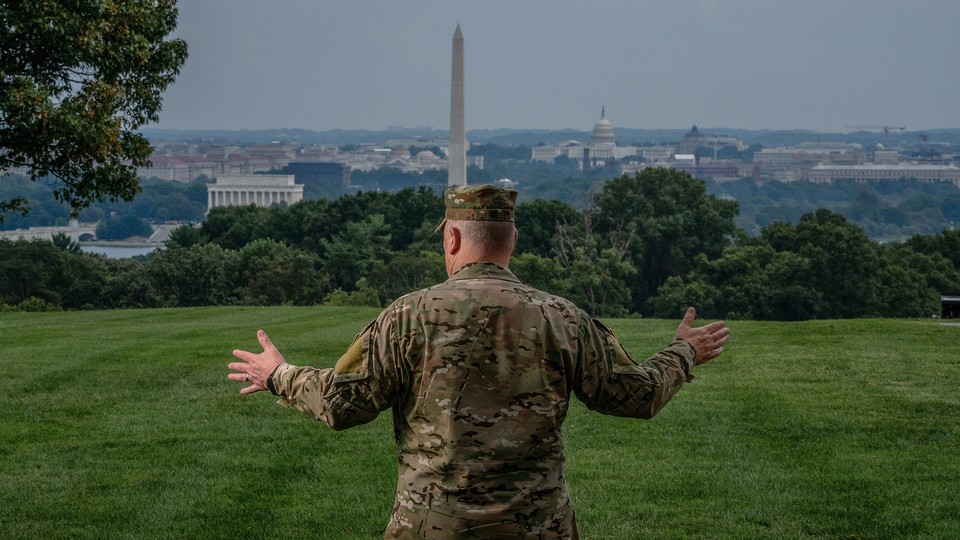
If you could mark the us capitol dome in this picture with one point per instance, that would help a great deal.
(602, 141)
(603, 131)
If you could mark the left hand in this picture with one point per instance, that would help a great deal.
(255, 368)
(707, 341)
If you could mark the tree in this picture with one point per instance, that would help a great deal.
(407, 271)
(951, 208)
(57, 275)
(843, 263)
(65, 243)
(665, 219)
(537, 222)
(233, 227)
(350, 254)
(185, 236)
(201, 275)
(77, 80)
(123, 227)
(273, 273)
(599, 276)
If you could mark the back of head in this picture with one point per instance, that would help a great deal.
(482, 216)
(494, 236)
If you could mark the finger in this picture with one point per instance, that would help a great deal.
(265, 341)
(240, 367)
(254, 387)
(688, 317)
(714, 327)
(244, 355)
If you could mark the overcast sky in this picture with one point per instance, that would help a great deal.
(821, 65)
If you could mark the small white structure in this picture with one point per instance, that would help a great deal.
(258, 189)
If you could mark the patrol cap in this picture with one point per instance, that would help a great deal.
(481, 202)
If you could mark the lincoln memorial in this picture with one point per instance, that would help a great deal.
(258, 189)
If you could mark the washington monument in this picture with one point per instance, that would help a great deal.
(457, 171)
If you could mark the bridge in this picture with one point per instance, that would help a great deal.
(75, 230)
(80, 232)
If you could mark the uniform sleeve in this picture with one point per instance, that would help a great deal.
(609, 381)
(363, 382)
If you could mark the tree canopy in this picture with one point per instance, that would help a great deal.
(649, 245)
(77, 79)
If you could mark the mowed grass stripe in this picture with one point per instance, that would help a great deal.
(121, 424)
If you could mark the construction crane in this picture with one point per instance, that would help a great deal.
(886, 130)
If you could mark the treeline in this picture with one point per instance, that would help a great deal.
(159, 201)
(648, 245)
(882, 208)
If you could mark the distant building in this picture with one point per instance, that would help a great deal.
(809, 156)
(657, 152)
(602, 142)
(602, 148)
(258, 189)
(695, 140)
(321, 173)
(216, 162)
(950, 306)
(874, 171)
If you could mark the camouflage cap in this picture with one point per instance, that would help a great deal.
(482, 202)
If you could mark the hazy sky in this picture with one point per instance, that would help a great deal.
(754, 64)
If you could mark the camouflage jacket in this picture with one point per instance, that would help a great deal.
(479, 371)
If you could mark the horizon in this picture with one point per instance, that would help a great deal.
(816, 66)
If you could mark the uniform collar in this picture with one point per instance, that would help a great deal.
(487, 270)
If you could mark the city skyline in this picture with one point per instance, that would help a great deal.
(816, 65)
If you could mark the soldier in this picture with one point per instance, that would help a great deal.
(478, 372)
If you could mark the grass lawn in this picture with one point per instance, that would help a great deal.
(122, 424)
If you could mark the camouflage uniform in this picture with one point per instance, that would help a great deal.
(479, 371)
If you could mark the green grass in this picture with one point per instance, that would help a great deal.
(122, 424)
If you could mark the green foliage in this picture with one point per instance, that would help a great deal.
(201, 275)
(666, 218)
(364, 296)
(233, 227)
(59, 277)
(159, 200)
(350, 254)
(132, 284)
(185, 236)
(824, 267)
(65, 243)
(32, 304)
(123, 227)
(544, 273)
(659, 228)
(883, 209)
(77, 80)
(273, 273)
(537, 223)
(406, 271)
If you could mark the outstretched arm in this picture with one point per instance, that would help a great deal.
(707, 341)
(255, 368)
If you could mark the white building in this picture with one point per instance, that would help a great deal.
(602, 148)
(873, 171)
(258, 189)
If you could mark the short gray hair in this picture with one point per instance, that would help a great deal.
(489, 234)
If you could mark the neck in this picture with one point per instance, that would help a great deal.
(465, 257)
